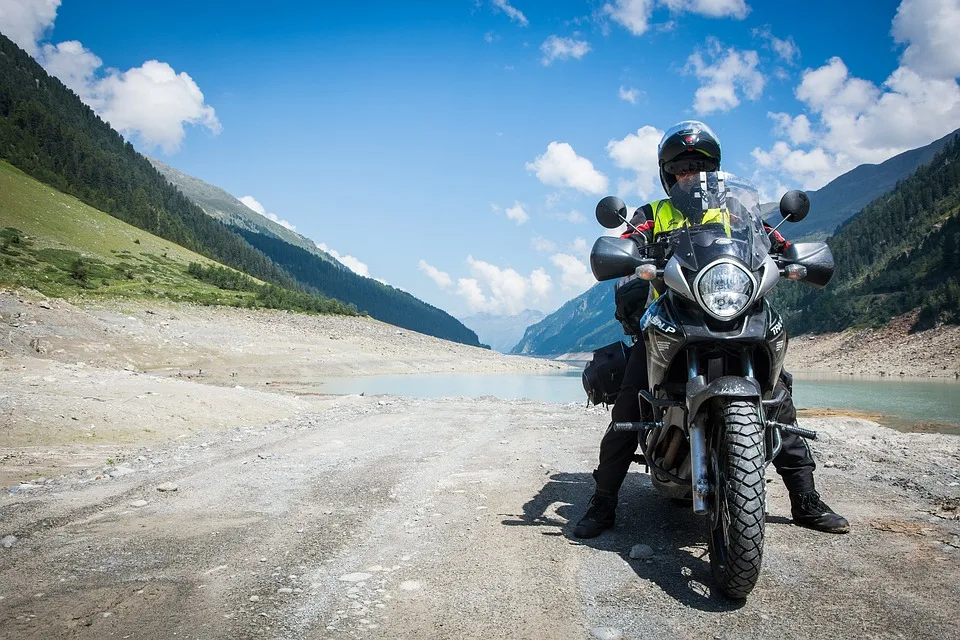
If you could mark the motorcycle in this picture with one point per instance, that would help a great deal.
(715, 349)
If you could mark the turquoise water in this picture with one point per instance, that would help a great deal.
(902, 402)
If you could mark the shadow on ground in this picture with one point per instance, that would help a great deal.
(680, 565)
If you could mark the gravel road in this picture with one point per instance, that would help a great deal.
(187, 506)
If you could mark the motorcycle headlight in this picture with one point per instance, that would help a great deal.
(725, 289)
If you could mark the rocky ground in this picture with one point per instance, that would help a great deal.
(888, 351)
(179, 473)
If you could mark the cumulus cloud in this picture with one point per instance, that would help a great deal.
(512, 12)
(560, 166)
(541, 244)
(574, 274)
(629, 94)
(349, 262)
(557, 48)
(929, 28)
(579, 245)
(517, 213)
(635, 15)
(574, 216)
(787, 49)
(254, 205)
(853, 121)
(152, 102)
(493, 289)
(26, 21)
(638, 153)
(441, 278)
(725, 75)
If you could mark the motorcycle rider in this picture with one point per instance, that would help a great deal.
(687, 149)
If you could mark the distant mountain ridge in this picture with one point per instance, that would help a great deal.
(587, 323)
(226, 208)
(502, 332)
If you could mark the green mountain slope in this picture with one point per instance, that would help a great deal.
(381, 301)
(901, 253)
(58, 245)
(226, 208)
(846, 195)
(48, 133)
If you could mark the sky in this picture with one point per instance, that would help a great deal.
(457, 150)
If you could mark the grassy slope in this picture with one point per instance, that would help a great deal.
(58, 229)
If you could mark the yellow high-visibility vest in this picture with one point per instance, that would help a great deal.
(667, 217)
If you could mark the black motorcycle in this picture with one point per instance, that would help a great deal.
(715, 349)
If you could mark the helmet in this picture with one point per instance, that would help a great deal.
(687, 146)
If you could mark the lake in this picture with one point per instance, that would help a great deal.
(904, 403)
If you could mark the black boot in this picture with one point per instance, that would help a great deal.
(599, 517)
(810, 511)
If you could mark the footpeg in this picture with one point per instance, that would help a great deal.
(636, 426)
(794, 429)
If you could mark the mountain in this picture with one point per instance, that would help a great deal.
(839, 203)
(844, 197)
(47, 132)
(501, 332)
(582, 324)
(900, 254)
(226, 208)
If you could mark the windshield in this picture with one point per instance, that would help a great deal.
(715, 214)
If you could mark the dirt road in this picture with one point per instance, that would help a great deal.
(257, 512)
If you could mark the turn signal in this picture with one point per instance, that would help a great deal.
(795, 272)
(647, 272)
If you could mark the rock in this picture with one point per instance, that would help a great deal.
(116, 472)
(138, 503)
(641, 551)
(8, 541)
(40, 346)
(829, 463)
(355, 577)
(254, 598)
(284, 590)
(167, 486)
(606, 633)
(410, 585)
(44, 305)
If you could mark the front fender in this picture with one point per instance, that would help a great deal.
(700, 391)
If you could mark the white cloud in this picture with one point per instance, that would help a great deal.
(929, 28)
(575, 276)
(349, 262)
(574, 216)
(512, 12)
(560, 166)
(557, 48)
(490, 37)
(635, 15)
(151, 102)
(26, 21)
(541, 244)
(638, 152)
(812, 169)
(736, 9)
(441, 278)
(496, 290)
(629, 94)
(731, 70)
(254, 205)
(787, 49)
(579, 245)
(517, 213)
(796, 128)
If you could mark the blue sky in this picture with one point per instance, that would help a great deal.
(456, 150)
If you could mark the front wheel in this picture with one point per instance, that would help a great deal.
(736, 538)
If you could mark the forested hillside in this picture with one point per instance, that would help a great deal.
(582, 324)
(900, 253)
(369, 296)
(48, 133)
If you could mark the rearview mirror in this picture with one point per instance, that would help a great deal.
(794, 205)
(611, 212)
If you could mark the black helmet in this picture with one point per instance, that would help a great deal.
(687, 146)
